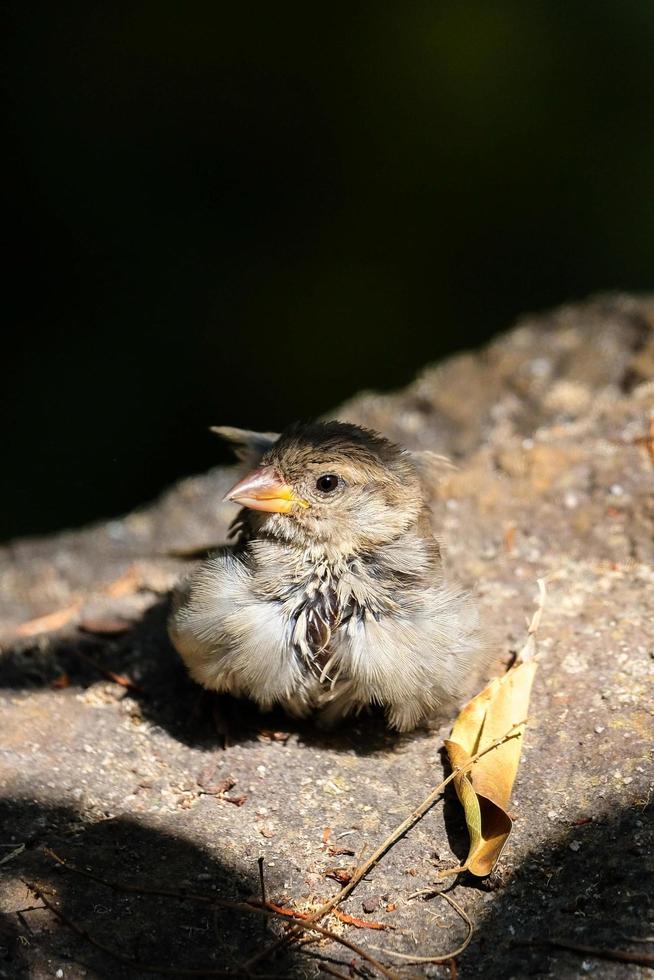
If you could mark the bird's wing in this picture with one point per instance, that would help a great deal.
(431, 466)
(248, 446)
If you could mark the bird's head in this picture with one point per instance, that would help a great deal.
(332, 486)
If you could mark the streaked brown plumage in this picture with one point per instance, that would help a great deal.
(332, 596)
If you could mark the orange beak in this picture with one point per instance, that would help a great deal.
(263, 489)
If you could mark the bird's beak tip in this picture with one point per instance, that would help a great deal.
(264, 489)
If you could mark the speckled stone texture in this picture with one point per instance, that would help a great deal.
(551, 428)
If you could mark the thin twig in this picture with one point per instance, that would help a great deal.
(116, 954)
(120, 679)
(352, 920)
(321, 958)
(262, 885)
(140, 890)
(326, 968)
(288, 913)
(248, 907)
(180, 896)
(262, 880)
(528, 651)
(436, 958)
(618, 955)
(400, 831)
(12, 854)
(310, 926)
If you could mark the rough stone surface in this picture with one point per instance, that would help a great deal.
(552, 431)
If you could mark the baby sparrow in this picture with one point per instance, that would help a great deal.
(331, 598)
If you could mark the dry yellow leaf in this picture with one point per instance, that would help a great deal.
(484, 789)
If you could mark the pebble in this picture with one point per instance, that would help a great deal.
(574, 845)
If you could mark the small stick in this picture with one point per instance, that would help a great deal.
(255, 907)
(12, 854)
(109, 674)
(262, 881)
(310, 926)
(288, 913)
(116, 954)
(138, 890)
(326, 968)
(437, 958)
(400, 831)
(352, 920)
(618, 955)
(322, 960)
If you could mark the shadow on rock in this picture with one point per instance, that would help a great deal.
(145, 660)
(175, 933)
(591, 888)
(454, 819)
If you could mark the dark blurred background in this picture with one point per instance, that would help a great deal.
(243, 214)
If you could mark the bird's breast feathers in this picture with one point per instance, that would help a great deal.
(263, 625)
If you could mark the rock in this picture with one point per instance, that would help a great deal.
(551, 428)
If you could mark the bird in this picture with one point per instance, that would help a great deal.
(329, 597)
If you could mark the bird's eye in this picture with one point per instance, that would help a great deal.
(327, 483)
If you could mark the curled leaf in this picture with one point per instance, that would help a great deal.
(484, 789)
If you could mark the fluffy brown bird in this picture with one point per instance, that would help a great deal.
(331, 597)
